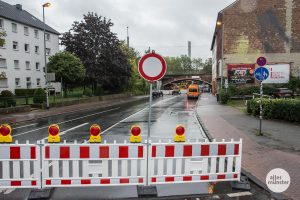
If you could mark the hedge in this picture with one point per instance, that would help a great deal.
(39, 96)
(7, 98)
(239, 91)
(24, 92)
(284, 109)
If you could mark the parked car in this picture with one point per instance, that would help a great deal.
(176, 92)
(157, 93)
(283, 93)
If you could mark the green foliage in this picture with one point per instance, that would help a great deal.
(39, 96)
(87, 92)
(2, 40)
(186, 64)
(285, 109)
(8, 97)
(67, 67)
(136, 85)
(224, 97)
(24, 92)
(294, 83)
(100, 51)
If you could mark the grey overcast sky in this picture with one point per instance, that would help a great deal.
(164, 25)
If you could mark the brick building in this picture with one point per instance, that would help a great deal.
(247, 29)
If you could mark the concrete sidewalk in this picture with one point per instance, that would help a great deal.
(278, 148)
(27, 116)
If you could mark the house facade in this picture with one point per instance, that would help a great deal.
(246, 30)
(22, 63)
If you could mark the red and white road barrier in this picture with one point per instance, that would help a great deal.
(93, 164)
(96, 164)
(195, 162)
(20, 165)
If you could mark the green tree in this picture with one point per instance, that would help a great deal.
(186, 63)
(197, 64)
(2, 40)
(67, 67)
(137, 85)
(207, 69)
(100, 51)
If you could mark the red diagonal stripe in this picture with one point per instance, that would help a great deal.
(221, 176)
(187, 150)
(33, 182)
(48, 182)
(104, 151)
(65, 182)
(187, 178)
(204, 177)
(105, 181)
(169, 179)
(205, 150)
(140, 151)
(153, 151)
(47, 152)
(236, 149)
(124, 180)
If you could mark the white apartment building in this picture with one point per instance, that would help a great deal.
(22, 63)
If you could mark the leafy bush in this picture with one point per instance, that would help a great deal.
(87, 92)
(39, 96)
(24, 92)
(224, 97)
(8, 97)
(286, 109)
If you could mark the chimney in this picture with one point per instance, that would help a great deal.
(19, 6)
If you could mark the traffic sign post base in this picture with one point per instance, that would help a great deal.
(146, 191)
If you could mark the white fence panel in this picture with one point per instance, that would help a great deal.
(15, 165)
(201, 162)
(93, 164)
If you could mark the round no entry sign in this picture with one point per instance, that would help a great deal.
(152, 67)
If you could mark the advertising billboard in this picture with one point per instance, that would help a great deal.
(279, 73)
(241, 73)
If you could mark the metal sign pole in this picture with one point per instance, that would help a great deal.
(260, 107)
(148, 134)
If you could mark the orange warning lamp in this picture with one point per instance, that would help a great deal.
(135, 134)
(53, 131)
(95, 131)
(5, 133)
(179, 135)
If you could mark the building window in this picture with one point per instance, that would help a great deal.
(28, 82)
(38, 82)
(47, 37)
(47, 51)
(27, 63)
(18, 82)
(36, 33)
(2, 46)
(16, 64)
(37, 49)
(14, 27)
(26, 30)
(1, 24)
(3, 83)
(37, 66)
(26, 47)
(2, 63)
(15, 45)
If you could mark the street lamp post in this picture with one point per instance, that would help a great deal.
(45, 5)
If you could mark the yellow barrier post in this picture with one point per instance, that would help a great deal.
(95, 131)
(135, 134)
(5, 133)
(179, 134)
(53, 131)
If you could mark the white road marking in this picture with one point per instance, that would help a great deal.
(239, 194)
(135, 114)
(25, 126)
(64, 132)
(66, 121)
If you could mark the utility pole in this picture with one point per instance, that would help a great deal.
(127, 37)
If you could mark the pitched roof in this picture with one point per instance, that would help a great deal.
(17, 14)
